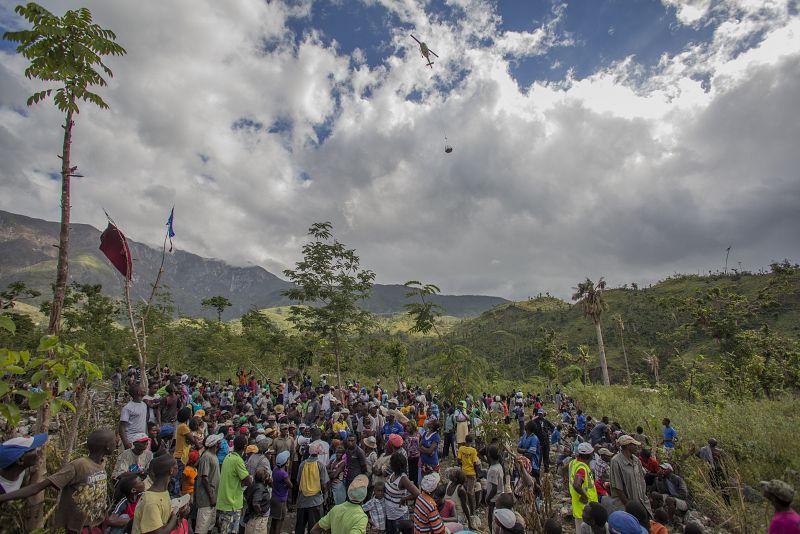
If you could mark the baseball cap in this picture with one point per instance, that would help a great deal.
(139, 436)
(627, 440)
(13, 449)
(585, 448)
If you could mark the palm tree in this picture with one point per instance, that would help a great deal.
(583, 358)
(652, 360)
(591, 299)
(617, 318)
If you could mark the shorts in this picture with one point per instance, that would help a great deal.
(206, 517)
(257, 525)
(277, 509)
(229, 521)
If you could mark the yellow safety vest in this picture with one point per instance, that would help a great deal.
(587, 487)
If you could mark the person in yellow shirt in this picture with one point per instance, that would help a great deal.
(468, 460)
(340, 427)
(154, 512)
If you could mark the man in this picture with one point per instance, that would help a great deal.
(16, 456)
(627, 474)
(542, 428)
(580, 422)
(153, 402)
(134, 460)
(356, 460)
(206, 484)
(133, 417)
(581, 483)
(233, 476)
(312, 410)
(672, 489)
(707, 452)
(284, 442)
(83, 486)
(449, 433)
(528, 446)
(116, 384)
(324, 450)
(426, 514)
(670, 438)
(780, 495)
(312, 477)
(259, 458)
(599, 433)
(348, 517)
(154, 513)
(641, 437)
(391, 426)
(494, 480)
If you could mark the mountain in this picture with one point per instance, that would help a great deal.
(28, 253)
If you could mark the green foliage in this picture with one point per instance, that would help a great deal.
(460, 372)
(218, 303)
(329, 283)
(67, 50)
(424, 313)
(547, 350)
(397, 352)
(16, 291)
(52, 362)
(590, 298)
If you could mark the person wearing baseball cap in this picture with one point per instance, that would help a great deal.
(206, 484)
(627, 474)
(781, 495)
(581, 483)
(136, 459)
(624, 523)
(16, 456)
(348, 516)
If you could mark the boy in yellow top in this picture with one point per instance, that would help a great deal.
(468, 460)
(340, 425)
(154, 512)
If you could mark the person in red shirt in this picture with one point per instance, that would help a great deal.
(650, 464)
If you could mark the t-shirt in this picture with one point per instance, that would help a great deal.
(280, 490)
(355, 459)
(428, 439)
(129, 462)
(154, 403)
(495, 476)
(468, 456)
(598, 433)
(580, 423)
(187, 482)
(135, 415)
(152, 512)
(181, 445)
(11, 485)
(785, 523)
(426, 516)
(669, 437)
(230, 495)
(208, 465)
(345, 518)
(83, 494)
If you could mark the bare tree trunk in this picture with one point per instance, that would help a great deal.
(80, 406)
(35, 510)
(602, 351)
(140, 352)
(625, 355)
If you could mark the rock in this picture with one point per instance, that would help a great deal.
(23, 430)
(751, 495)
(54, 426)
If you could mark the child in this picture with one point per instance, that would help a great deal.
(374, 508)
(658, 525)
(189, 473)
(468, 460)
(281, 484)
(257, 498)
(370, 445)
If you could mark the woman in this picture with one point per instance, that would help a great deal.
(429, 448)
(462, 424)
(398, 491)
(411, 445)
(456, 494)
(426, 513)
(337, 472)
(129, 488)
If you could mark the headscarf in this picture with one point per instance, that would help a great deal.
(357, 491)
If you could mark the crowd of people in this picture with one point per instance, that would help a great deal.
(196, 455)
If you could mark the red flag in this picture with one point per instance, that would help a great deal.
(115, 247)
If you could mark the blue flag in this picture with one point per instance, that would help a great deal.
(170, 229)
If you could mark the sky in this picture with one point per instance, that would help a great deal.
(625, 139)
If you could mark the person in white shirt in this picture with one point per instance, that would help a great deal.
(133, 417)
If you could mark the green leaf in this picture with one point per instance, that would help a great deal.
(14, 370)
(4, 388)
(7, 323)
(10, 412)
(37, 399)
(59, 403)
(47, 343)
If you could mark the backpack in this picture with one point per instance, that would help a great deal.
(309, 480)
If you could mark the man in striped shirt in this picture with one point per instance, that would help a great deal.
(426, 514)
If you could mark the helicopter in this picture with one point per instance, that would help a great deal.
(425, 51)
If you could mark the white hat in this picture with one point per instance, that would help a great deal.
(213, 439)
(585, 448)
(505, 517)
(430, 482)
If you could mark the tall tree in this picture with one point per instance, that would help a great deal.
(218, 303)
(329, 284)
(620, 324)
(68, 52)
(590, 297)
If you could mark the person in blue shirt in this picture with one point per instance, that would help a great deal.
(670, 436)
(580, 422)
(555, 437)
(435, 409)
(529, 446)
(391, 427)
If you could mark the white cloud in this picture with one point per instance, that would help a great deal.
(626, 173)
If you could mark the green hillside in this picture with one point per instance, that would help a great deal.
(654, 318)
